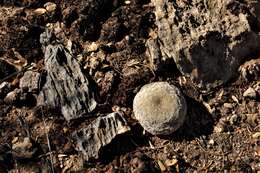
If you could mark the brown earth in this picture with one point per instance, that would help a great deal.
(220, 134)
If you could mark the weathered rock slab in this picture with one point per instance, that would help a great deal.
(30, 81)
(208, 40)
(99, 134)
(66, 87)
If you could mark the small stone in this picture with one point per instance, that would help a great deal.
(161, 166)
(5, 88)
(39, 11)
(13, 96)
(127, 2)
(233, 119)
(50, 6)
(160, 108)
(171, 162)
(256, 135)
(250, 93)
(23, 149)
(30, 81)
(228, 105)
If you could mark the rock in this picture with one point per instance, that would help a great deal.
(160, 108)
(20, 98)
(66, 87)
(99, 133)
(250, 70)
(208, 40)
(23, 149)
(234, 119)
(39, 11)
(30, 81)
(13, 97)
(6, 69)
(256, 135)
(250, 93)
(50, 6)
(5, 88)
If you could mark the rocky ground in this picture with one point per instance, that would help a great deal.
(110, 49)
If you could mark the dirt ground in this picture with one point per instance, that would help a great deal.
(221, 132)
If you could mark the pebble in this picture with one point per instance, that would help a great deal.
(211, 142)
(228, 105)
(39, 11)
(250, 93)
(256, 135)
(50, 6)
(23, 149)
(233, 119)
(160, 108)
(12, 96)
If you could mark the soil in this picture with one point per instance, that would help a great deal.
(221, 131)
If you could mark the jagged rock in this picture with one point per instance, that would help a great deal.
(100, 133)
(208, 40)
(5, 88)
(30, 81)
(160, 108)
(66, 87)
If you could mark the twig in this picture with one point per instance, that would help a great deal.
(15, 73)
(46, 132)
(48, 141)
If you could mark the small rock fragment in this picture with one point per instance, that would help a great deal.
(39, 11)
(234, 119)
(99, 133)
(66, 87)
(23, 149)
(50, 6)
(250, 93)
(13, 96)
(5, 88)
(256, 135)
(171, 162)
(30, 81)
(211, 142)
(160, 108)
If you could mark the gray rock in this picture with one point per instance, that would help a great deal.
(208, 40)
(66, 87)
(160, 108)
(5, 88)
(99, 133)
(30, 81)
